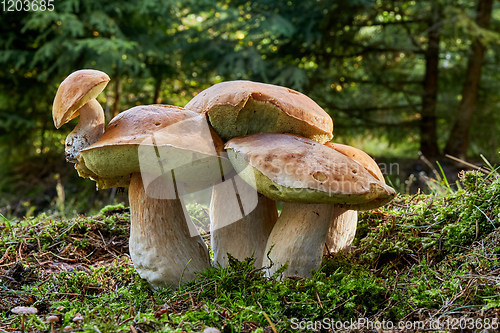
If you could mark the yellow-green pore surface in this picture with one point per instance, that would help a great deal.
(156, 140)
(290, 168)
(112, 166)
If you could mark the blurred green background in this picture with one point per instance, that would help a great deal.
(401, 79)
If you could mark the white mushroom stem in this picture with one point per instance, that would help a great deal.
(298, 238)
(342, 230)
(90, 128)
(240, 221)
(161, 246)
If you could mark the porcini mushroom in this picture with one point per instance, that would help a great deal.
(240, 108)
(344, 222)
(311, 178)
(76, 96)
(24, 310)
(158, 151)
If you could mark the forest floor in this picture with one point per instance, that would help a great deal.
(421, 263)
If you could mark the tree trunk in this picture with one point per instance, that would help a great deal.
(458, 142)
(428, 136)
(156, 97)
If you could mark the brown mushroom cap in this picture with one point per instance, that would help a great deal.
(75, 91)
(240, 108)
(138, 139)
(359, 156)
(290, 168)
(24, 310)
(78, 317)
(52, 319)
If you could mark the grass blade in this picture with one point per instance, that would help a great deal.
(7, 222)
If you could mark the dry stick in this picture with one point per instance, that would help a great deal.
(335, 308)
(479, 168)
(452, 259)
(192, 301)
(319, 300)
(9, 264)
(270, 322)
(6, 255)
(20, 251)
(125, 321)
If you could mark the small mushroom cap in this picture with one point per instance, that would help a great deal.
(359, 156)
(240, 108)
(291, 168)
(138, 139)
(75, 91)
(67, 329)
(24, 310)
(211, 330)
(52, 319)
(78, 317)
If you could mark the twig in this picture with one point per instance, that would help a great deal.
(270, 322)
(335, 308)
(319, 300)
(5, 256)
(125, 321)
(68, 259)
(478, 168)
(453, 259)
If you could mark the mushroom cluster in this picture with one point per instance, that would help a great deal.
(158, 151)
(277, 141)
(255, 144)
(241, 108)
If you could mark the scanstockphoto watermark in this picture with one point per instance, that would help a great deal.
(183, 157)
(387, 325)
(389, 168)
(291, 167)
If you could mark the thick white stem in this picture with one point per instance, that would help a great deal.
(161, 246)
(90, 128)
(240, 221)
(298, 238)
(342, 230)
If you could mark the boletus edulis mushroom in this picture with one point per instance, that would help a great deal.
(240, 108)
(157, 151)
(311, 179)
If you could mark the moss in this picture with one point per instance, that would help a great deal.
(414, 256)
